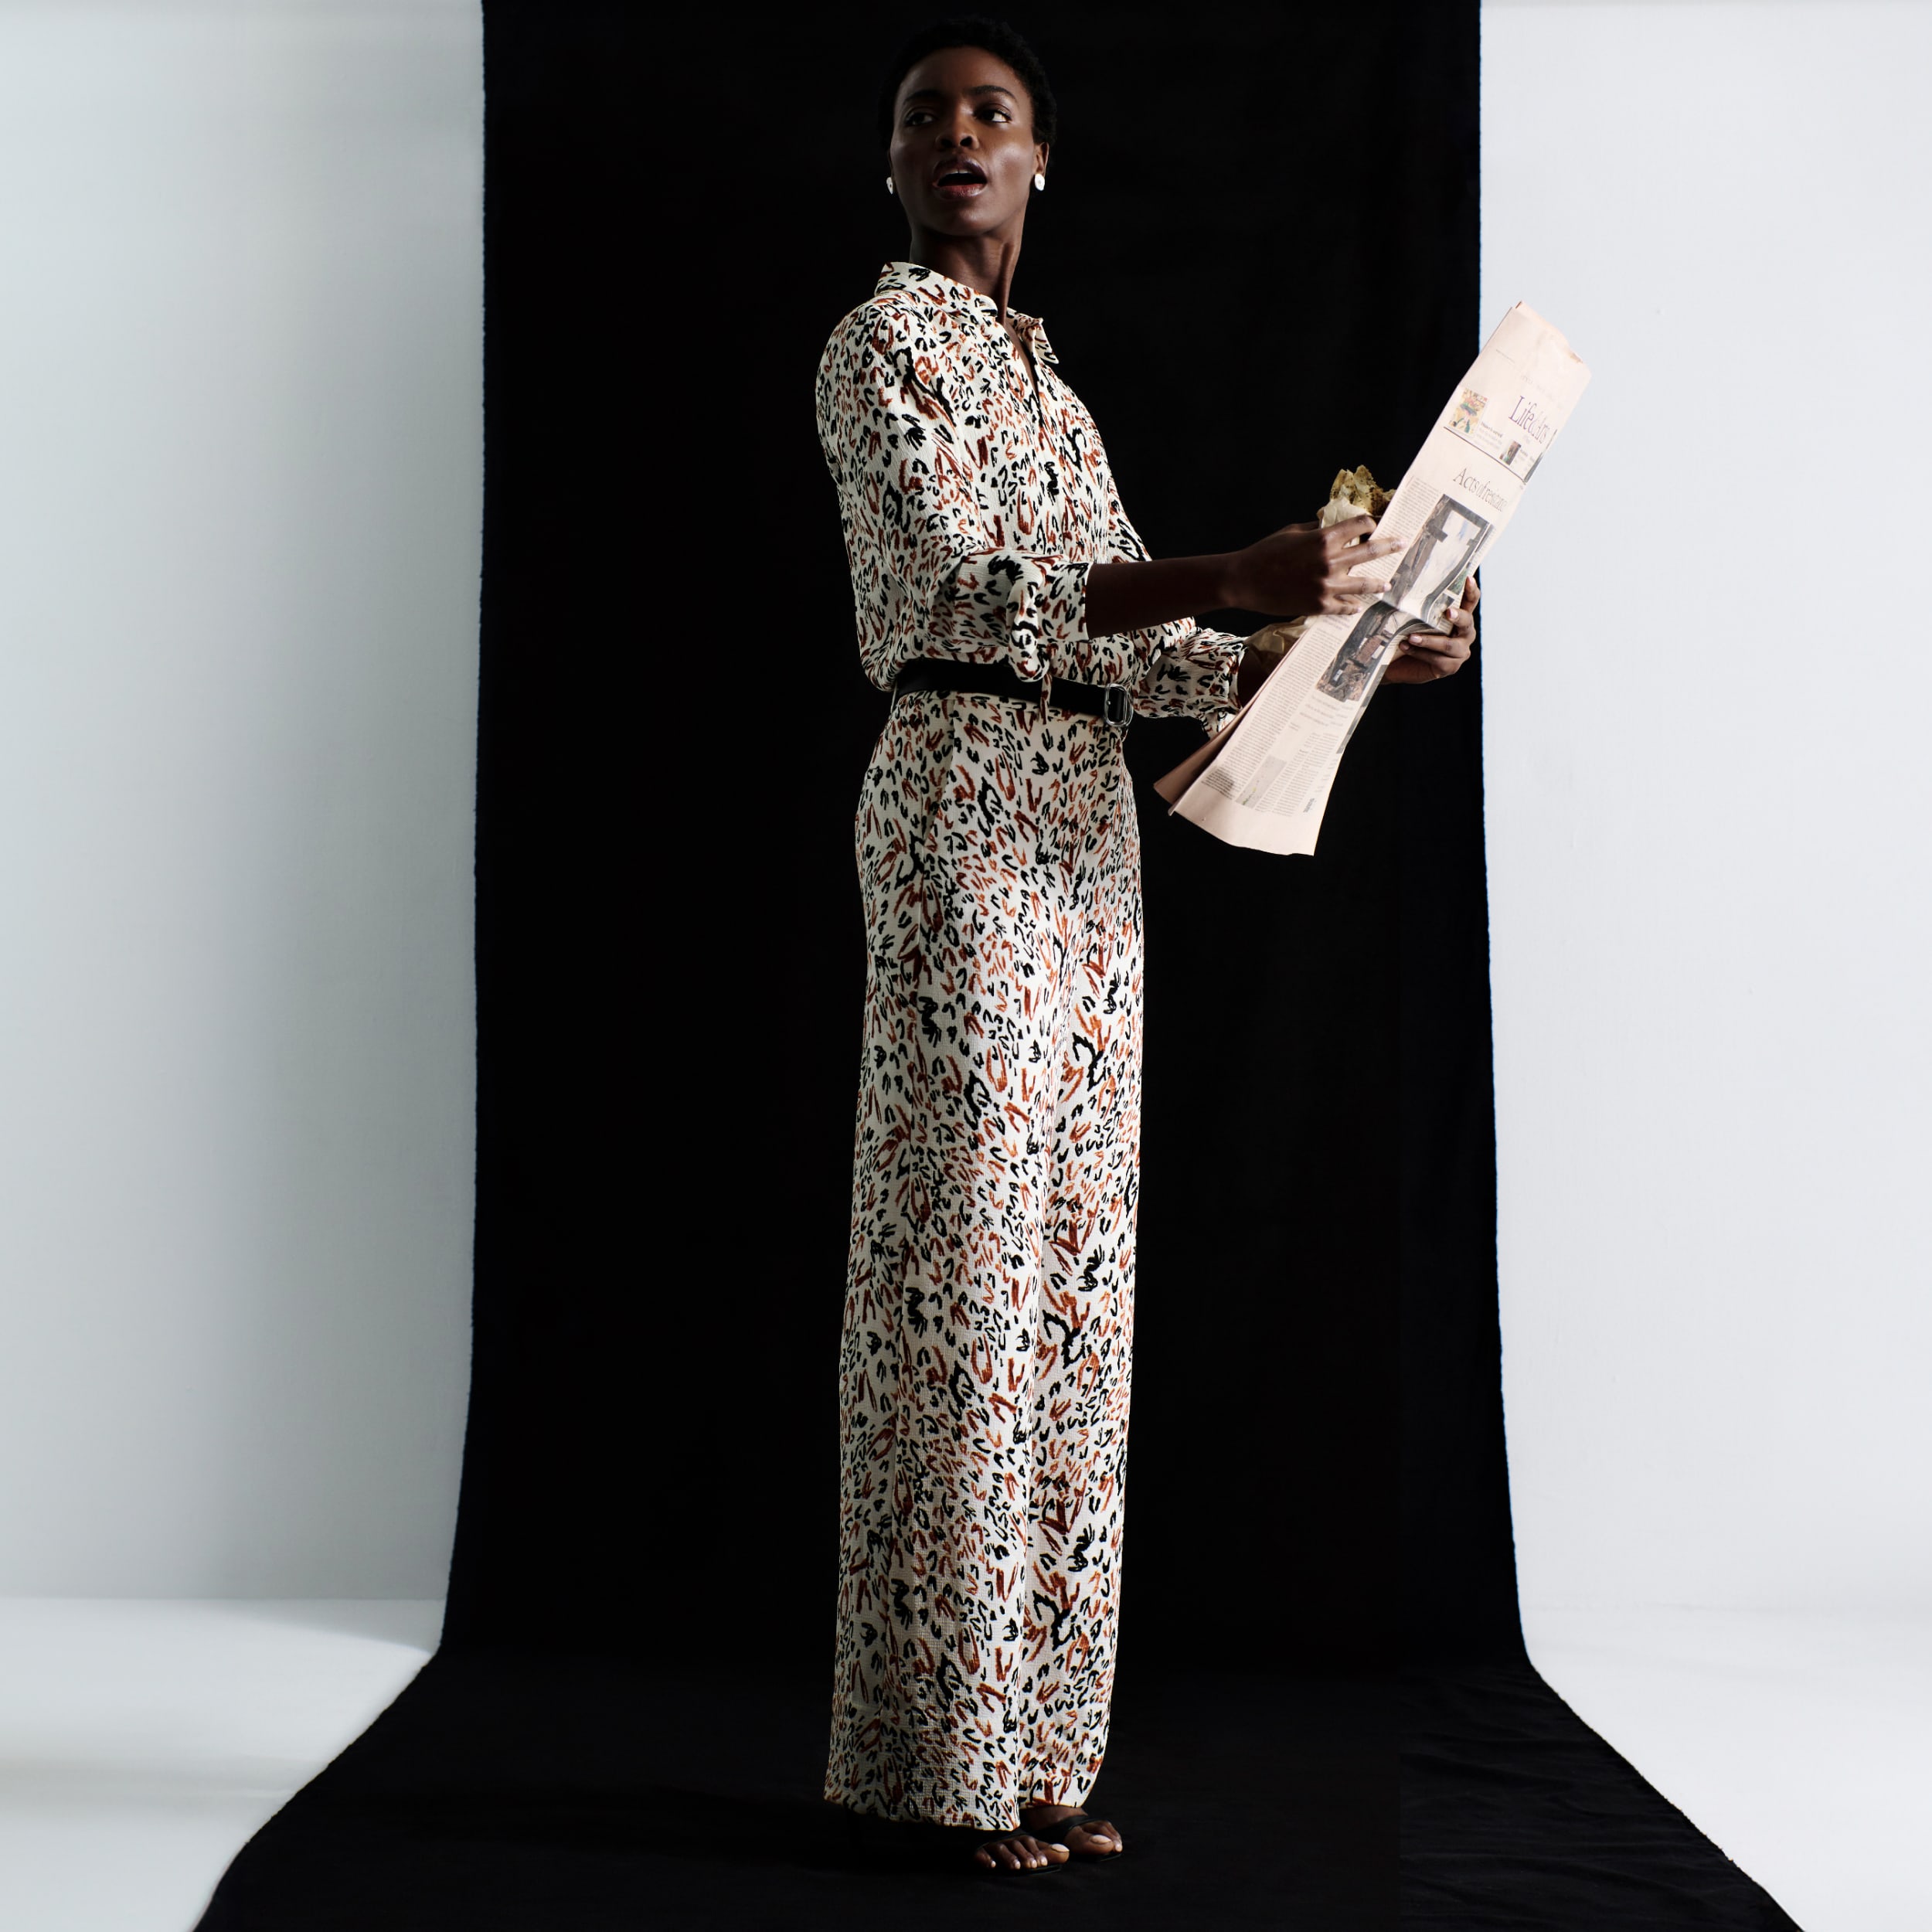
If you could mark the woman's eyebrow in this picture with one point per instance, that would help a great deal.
(984, 87)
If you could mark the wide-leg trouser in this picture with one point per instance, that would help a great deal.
(985, 1362)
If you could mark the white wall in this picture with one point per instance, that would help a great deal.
(1710, 803)
(240, 496)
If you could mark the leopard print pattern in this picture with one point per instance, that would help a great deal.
(985, 1361)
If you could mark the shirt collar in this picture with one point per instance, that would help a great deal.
(941, 290)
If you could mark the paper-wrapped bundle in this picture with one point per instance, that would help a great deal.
(1353, 493)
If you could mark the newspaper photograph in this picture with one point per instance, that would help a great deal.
(1263, 781)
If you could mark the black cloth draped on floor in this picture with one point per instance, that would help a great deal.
(626, 1724)
(513, 1792)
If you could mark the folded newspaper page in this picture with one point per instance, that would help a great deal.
(1263, 781)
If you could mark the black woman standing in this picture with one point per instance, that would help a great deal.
(1005, 598)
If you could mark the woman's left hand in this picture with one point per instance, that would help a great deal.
(1423, 656)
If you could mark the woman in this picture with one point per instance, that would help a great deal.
(986, 1359)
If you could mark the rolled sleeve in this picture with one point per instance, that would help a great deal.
(1192, 676)
(1032, 608)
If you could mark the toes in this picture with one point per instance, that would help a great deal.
(1099, 1837)
(1020, 1851)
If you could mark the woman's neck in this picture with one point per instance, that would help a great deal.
(982, 262)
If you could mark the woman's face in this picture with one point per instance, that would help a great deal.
(963, 151)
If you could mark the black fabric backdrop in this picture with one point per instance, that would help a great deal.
(626, 1724)
(670, 1001)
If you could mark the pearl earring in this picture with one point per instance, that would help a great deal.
(889, 188)
(1039, 183)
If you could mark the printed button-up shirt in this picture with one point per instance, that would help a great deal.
(975, 500)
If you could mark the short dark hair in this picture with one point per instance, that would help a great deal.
(991, 36)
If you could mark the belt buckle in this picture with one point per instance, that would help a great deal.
(1117, 707)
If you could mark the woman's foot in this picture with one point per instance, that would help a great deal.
(1019, 1851)
(1026, 1850)
(1093, 1837)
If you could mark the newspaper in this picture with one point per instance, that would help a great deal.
(1263, 781)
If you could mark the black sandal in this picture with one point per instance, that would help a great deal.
(1056, 1834)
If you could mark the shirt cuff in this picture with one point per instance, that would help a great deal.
(1034, 606)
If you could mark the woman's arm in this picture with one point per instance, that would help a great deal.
(1297, 571)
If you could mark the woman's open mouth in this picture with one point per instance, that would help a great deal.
(959, 181)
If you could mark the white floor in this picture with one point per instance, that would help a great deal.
(1801, 1744)
(141, 1743)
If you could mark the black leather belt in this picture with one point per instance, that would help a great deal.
(1111, 701)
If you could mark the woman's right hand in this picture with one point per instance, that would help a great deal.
(1305, 571)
